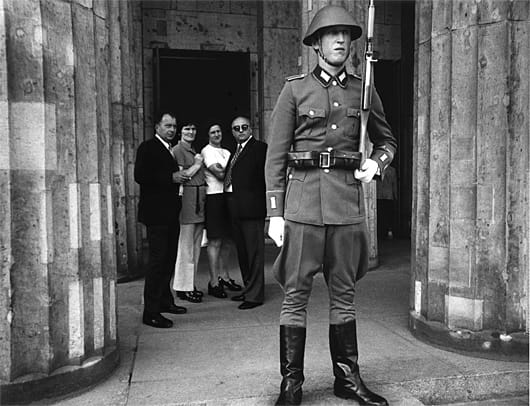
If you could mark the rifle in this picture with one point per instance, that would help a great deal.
(367, 84)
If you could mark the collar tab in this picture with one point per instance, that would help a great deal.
(325, 78)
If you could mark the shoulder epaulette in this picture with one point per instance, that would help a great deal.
(294, 77)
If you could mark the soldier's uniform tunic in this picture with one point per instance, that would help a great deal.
(323, 207)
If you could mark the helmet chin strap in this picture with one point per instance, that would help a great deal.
(321, 54)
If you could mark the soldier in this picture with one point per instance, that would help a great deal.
(317, 212)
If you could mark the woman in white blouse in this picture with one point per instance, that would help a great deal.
(217, 218)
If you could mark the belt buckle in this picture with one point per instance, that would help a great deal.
(324, 160)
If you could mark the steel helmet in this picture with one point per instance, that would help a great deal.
(330, 16)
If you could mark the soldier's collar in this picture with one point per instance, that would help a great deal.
(325, 78)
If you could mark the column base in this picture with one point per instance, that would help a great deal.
(65, 380)
(482, 344)
(373, 262)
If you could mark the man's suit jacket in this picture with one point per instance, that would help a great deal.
(248, 181)
(153, 171)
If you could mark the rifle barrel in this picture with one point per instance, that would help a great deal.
(366, 91)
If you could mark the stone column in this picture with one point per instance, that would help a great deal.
(130, 136)
(470, 254)
(124, 57)
(117, 134)
(137, 105)
(57, 284)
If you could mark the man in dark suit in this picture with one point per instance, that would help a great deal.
(158, 175)
(245, 193)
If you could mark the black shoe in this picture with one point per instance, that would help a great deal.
(238, 298)
(173, 309)
(344, 354)
(360, 394)
(230, 285)
(190, 297)
(197, 292)
(216, 291)
(292, 348)
(157, 320)
(248, 305)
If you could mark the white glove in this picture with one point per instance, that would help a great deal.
(367, 171)
(276, 226)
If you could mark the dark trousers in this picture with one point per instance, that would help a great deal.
(163, 240)
(249, 238)
(339, 251)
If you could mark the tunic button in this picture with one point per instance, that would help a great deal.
(334, 126)
(290, 176)
(334, 83)
(311, 112)
(336, 104)
(326, 170)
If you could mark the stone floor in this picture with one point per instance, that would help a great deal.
(219, 355)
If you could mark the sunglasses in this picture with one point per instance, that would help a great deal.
(240, 128)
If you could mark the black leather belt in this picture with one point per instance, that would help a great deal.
(324, 159)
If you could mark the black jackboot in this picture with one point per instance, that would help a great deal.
(292, 347)
(344, 354)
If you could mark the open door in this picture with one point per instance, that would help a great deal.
(203, 87)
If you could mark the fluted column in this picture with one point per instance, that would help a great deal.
(470, 253)
(57, 267)
(137, 107)
(128, 89)
(117, 134)
(5, 208)
(124, 57)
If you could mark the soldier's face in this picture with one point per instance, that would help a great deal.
(241, 130)
(335, 43)
(167, 128)
(215, 135)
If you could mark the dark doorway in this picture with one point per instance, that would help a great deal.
(394, 81)
(203, 87)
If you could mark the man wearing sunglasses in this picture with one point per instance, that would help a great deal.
(244, 187)
(317, 211)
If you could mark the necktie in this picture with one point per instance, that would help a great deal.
(228, 176)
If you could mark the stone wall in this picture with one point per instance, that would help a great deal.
(229, 26)
(279, 49)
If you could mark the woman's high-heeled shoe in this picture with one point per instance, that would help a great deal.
(230, 284)
(216, 291)
(189, 296)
